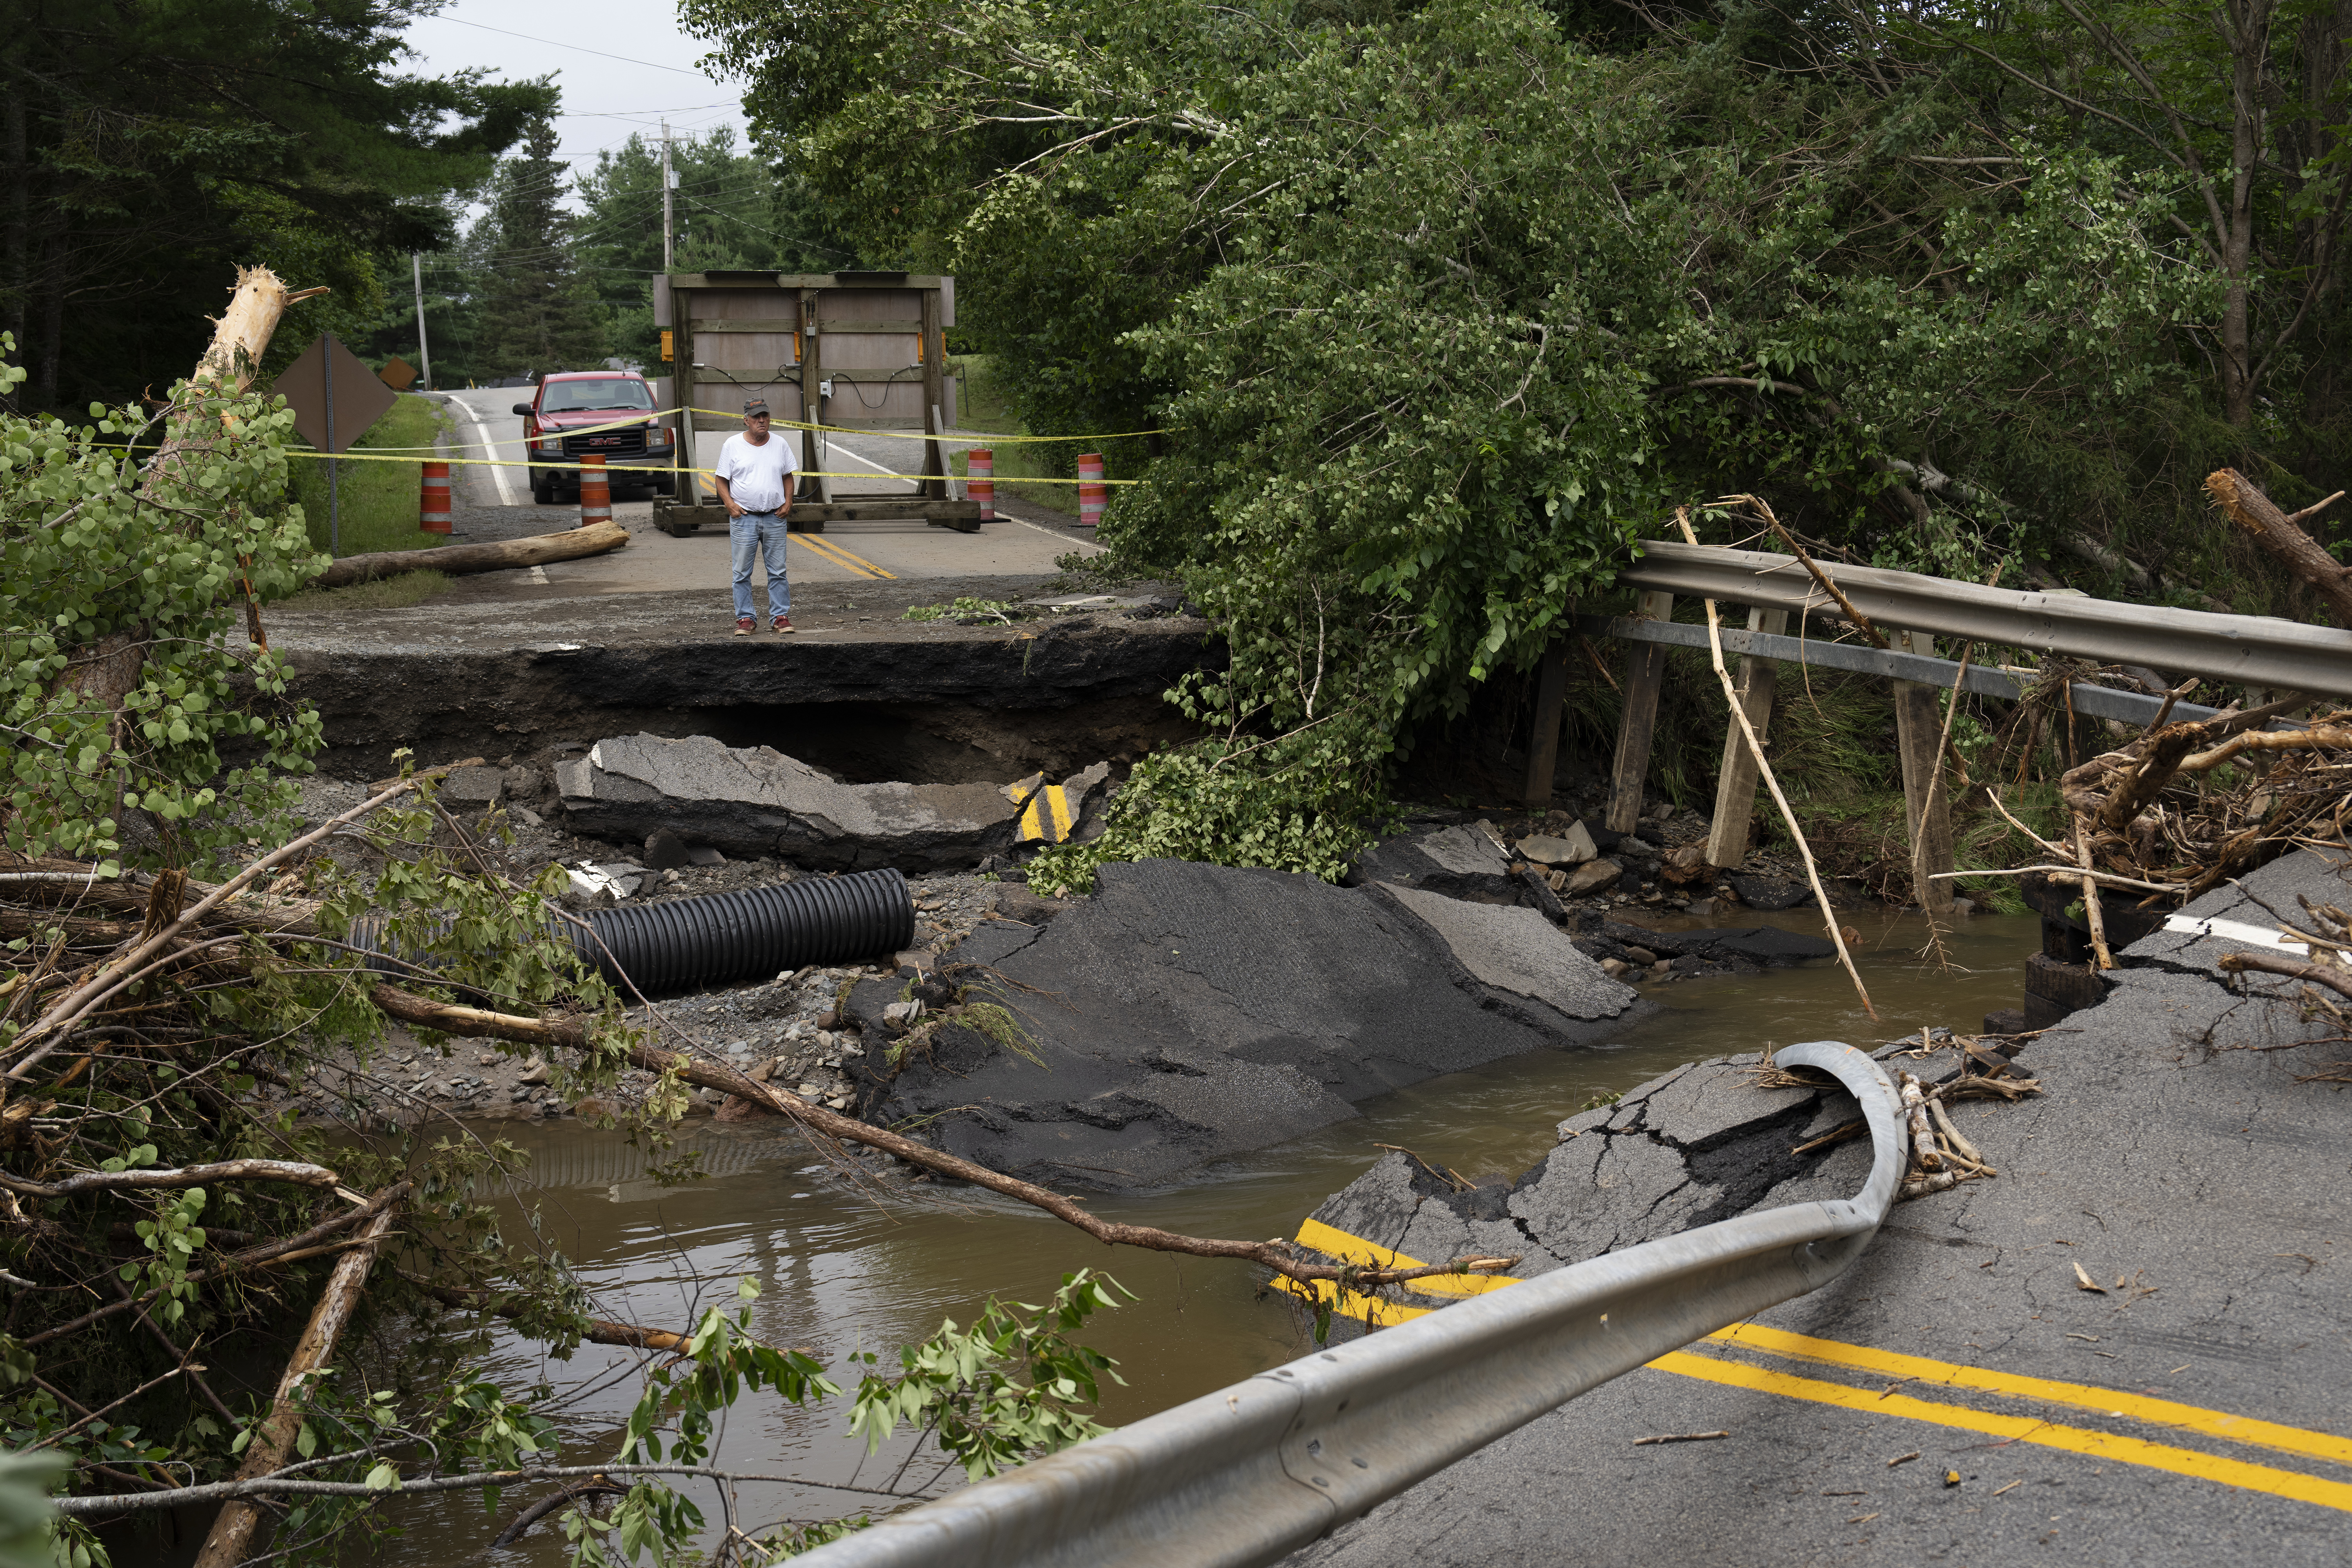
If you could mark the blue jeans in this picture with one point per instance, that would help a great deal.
(759, 534)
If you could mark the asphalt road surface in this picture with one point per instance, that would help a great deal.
(496, 503)
(1961, 1394)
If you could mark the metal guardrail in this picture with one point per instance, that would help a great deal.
(1257, 1471)
(2094, 701)
(2282, 655)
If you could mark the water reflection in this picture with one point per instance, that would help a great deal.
(838, 1274)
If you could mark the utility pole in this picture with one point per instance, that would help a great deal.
(424, 350)
(668, 252)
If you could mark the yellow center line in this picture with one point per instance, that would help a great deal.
(830, 551)
(1758, 1339)
(2082, 1440)
(2137, 1407)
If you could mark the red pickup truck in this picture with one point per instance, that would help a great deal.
(574, 401)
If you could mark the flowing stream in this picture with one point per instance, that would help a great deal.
(839, 1274)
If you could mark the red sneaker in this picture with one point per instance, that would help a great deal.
(781, 624)
(745, 626)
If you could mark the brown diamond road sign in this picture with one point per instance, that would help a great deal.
(398, 373)
(329, 378)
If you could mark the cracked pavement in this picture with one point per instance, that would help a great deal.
(2174, 1154)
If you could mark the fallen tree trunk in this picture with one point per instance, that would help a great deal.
(232, 1532)
(596, 1330)
(2283, 536)
(569, 1034)
(507, 555)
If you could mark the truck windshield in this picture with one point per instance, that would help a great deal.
(570, 397)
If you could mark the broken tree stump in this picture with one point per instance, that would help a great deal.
(1735, 794)
(2283, 536)
(1918, 731)
(1645, 675)
(507, 555)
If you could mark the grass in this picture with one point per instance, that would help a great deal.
(379, 500)
(981, 405)
(384, 594)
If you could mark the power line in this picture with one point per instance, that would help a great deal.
(559, 43)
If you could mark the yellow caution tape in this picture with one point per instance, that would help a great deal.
(381, 456)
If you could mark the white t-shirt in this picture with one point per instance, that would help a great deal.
(757, 476)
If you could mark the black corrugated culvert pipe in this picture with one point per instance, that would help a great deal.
(723, 938)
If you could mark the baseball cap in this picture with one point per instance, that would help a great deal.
(756, 406)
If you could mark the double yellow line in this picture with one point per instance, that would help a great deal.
(828, 550)
(1754, 1340)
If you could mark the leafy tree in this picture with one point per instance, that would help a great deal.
(538, 311)
(2243, 104)
(151, 147)
(1440, 309)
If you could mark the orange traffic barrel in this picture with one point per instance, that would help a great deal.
(432, 503)
(595, 491)
(1091, 496)
(980, 481)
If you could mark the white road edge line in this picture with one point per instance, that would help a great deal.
(506, 491)
(2233, 931)
(840, 449)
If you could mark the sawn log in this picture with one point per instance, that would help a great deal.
(2283, 536)
(507, 555)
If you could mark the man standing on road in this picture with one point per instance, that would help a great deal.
(754, 476)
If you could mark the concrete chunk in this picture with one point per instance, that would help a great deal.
(1572, 847)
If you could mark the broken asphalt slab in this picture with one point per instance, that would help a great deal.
(2175, 1154)
(756, 801)
(1187, 1012)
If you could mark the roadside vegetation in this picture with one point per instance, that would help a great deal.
(379, 500)
(986, 403)
(1443, 307)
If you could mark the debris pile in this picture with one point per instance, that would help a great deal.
(1940, 1156)
(2186, 806)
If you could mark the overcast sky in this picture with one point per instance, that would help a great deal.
(627, 65)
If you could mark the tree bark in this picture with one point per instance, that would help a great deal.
(456, 559)
(231, 1533)
(2250, 47)
(2284, 538)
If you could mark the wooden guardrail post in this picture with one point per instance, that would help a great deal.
(1918, 732)
(1645, 674)
(1734, 793)
(1543, 739)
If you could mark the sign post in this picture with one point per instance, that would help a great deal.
(309, 385)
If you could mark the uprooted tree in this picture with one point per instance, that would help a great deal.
(177, 947)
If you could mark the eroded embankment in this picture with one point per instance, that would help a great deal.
(857, 690)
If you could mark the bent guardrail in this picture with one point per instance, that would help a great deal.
(2285, 656)
(1260, 1469)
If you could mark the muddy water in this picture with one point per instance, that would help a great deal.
(838, 1274)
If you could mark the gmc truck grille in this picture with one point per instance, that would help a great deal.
(630, 442)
